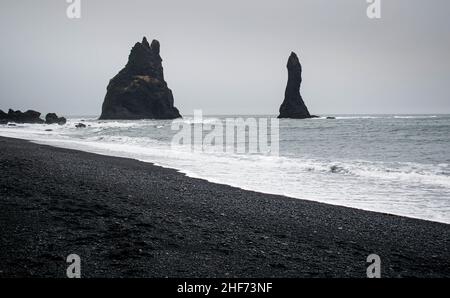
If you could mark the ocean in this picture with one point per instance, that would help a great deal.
(396, 164)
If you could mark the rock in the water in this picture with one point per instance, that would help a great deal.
(139, 91)
(80, 125)
(330, 117)
(3, 115)
(293, 105)
(29, 116)
(52, 118)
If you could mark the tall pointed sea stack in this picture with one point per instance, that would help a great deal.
(293, 105)
(139, 91)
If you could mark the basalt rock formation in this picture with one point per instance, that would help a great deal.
(29, 116)
(3, 117)
(293, 105)
(80, 125)
(52, 118)
(139, 91)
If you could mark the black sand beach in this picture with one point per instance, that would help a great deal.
(132, 219)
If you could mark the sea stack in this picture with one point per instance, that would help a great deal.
(293, 106)
(139, 91)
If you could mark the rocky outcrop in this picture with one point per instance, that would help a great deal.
(29, 116)
(52, 118)
(293, 105)
(3, 117)
(139, 90)
(80, 125)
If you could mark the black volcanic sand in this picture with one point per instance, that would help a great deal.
(132, 219)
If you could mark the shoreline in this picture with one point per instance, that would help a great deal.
(127, 218)
(119, 154)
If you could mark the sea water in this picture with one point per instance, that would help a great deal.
(397, 164)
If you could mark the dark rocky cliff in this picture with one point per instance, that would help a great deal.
(139, 90)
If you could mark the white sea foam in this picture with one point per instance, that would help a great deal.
(415, 117)
(359, 117)
(382, 117)
(405, 188)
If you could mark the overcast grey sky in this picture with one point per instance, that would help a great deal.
(229, 57)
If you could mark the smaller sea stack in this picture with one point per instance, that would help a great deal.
(293, 105)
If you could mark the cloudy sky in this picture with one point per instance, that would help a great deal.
(229, 57)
